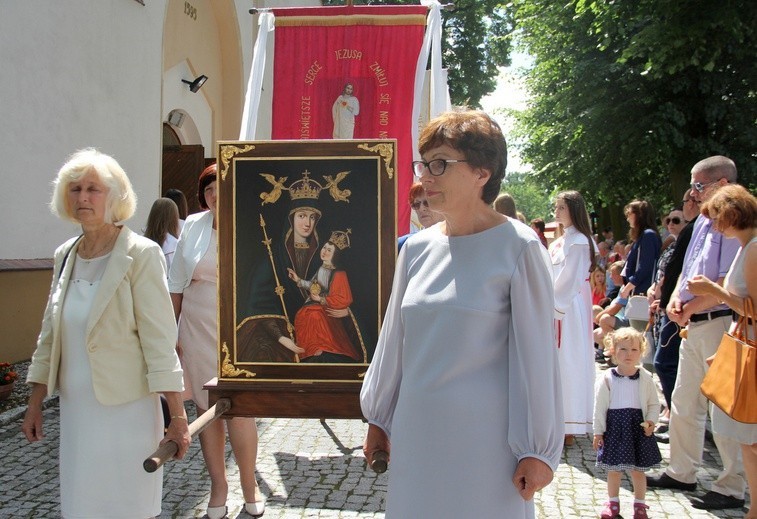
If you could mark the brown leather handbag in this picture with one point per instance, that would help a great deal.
(731, 381)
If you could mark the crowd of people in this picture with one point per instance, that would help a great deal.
(691, 284)
(491, 335)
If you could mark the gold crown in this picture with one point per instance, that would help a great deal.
(341, 239)
(305, 188)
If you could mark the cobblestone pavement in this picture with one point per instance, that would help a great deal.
(312, 469)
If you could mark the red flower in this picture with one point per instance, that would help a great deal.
(7, 376)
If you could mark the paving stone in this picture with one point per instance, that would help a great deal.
(314, 469)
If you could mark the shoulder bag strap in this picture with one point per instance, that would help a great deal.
(742, 325)
(68, 252)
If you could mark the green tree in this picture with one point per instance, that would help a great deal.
(531, 199)
(627, 96)
(475, 43)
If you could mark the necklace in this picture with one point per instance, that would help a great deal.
(85, 254)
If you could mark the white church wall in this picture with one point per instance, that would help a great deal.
(197, 126)
(75, 74)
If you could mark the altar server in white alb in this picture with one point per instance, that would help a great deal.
(572, 257)
(463, 390)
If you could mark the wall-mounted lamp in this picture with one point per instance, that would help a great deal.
(196, 85)
(176, 118)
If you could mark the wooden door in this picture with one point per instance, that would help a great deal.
(182, 166)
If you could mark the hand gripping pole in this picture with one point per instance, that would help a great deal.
(168, 450)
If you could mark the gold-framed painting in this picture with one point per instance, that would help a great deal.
(307, 240)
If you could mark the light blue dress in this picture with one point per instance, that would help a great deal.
(465, 377)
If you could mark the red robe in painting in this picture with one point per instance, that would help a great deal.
(316, 331)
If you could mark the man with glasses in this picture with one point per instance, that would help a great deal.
(708, 254)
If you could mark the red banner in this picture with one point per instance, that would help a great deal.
(349, 72)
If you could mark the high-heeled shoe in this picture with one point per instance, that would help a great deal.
(255, 509)
(217, 512)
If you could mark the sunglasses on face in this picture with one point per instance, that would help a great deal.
(417, 204)
(675, 221)
(699, 187)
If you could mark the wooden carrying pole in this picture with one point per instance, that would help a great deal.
(168, 450)
(380, 462)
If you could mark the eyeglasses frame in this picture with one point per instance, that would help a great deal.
(700, 187)
(427, 165)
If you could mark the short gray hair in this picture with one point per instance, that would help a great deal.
(717, 167)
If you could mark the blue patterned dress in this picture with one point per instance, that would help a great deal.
(626, 447)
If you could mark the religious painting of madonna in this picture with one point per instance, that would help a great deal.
(307, 247)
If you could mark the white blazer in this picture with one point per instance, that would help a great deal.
(193, 244)
(131, 331)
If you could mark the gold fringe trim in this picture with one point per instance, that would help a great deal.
(328, 21)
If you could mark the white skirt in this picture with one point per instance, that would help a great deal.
(102, 447)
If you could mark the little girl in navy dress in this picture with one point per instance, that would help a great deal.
(626, 409)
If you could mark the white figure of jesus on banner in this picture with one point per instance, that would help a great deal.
(345, 108)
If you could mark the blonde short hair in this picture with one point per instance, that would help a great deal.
(121, 201)
(617, 266)
(625, 334)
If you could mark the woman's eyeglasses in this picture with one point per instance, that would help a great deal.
(417, 204)
(675, 221)
(436, 167)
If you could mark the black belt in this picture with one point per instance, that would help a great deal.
(737, 316)
(709, 316)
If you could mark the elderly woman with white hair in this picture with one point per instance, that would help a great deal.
(107, 344)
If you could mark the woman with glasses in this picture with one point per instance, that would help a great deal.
(674, 222)
(465, 378)
(425, 216)
(667, 340)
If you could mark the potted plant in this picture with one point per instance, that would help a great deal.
(7, 380)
